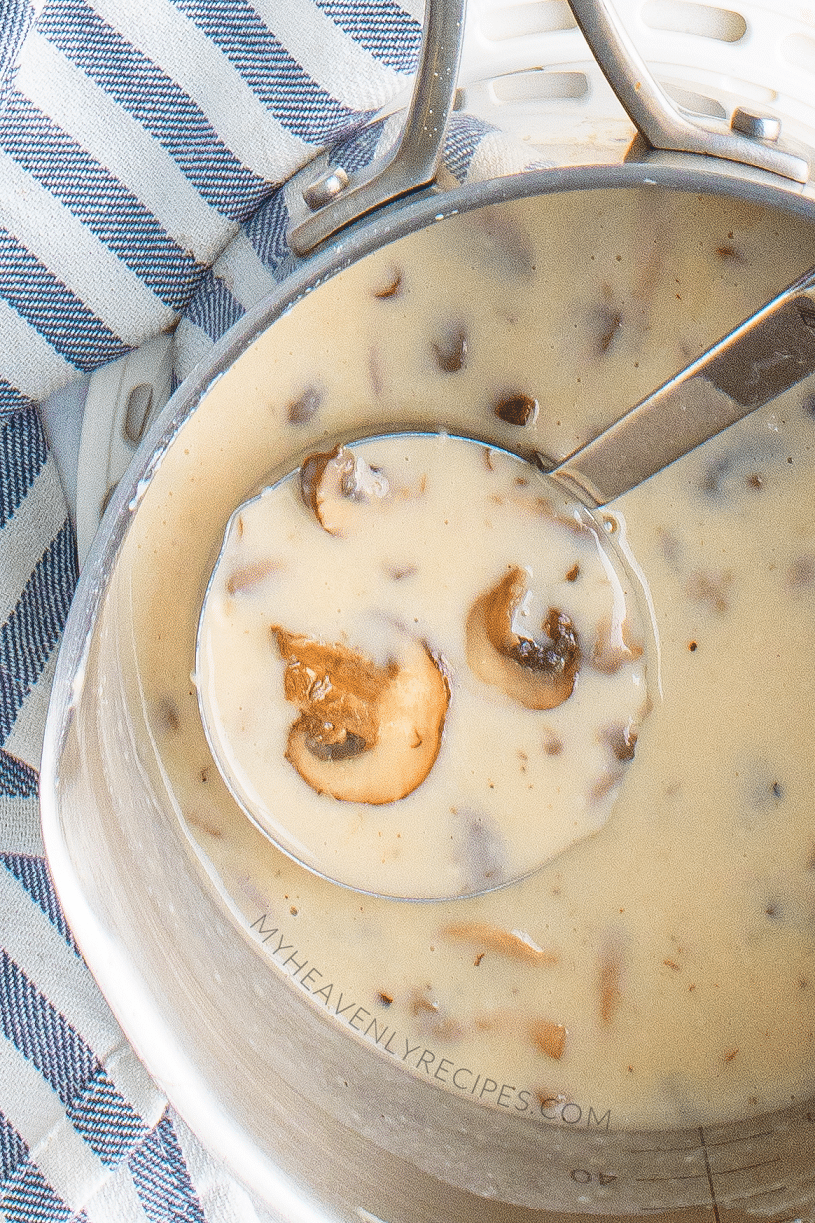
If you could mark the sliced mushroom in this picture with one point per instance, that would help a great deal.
(367, 733)
(536, 674)
(621, 738)
(390, 286)
(248, 578)
(515, 944)
(609, 987)
(450, 349)
(336, 483)
(549, 1037)
(305, 407)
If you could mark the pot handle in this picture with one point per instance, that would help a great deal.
(749, 139)
(334, 199)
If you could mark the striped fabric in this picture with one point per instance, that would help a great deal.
(84, 1133)
(143, 148)
(135, 137)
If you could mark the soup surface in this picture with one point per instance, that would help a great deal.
(660, 969)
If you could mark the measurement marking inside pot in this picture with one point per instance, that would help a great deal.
(726, 1142)
(661, 1150)
(663, 1180)
(713, 1201)
(748, 1167)
(762, 1193)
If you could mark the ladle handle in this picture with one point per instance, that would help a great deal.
(654, 115)
(764, 356)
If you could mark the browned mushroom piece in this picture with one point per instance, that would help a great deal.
(514, 944)
(366, 733)
(390, 286)
(536, 674)
(450, 349)
(550, 1038)
(517, 409)
(305, 407)
(334, 484)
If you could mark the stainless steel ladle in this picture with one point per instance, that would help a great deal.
(767, 354)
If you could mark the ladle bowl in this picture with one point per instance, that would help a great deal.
(354, 664)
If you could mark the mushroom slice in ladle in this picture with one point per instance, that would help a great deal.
(335, 483)
(537, 673)
(366, 733)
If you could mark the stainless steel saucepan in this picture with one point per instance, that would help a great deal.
(313, 1118)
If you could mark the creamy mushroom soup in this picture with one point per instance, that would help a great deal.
(660, 971)
(358, 666)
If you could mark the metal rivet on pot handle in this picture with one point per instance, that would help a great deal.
(661, 124)
(331, 203)
(754, 124)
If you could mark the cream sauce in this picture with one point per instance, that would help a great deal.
(501, 781)
(676, 980)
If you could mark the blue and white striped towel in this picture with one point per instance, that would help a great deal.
(142, 145)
